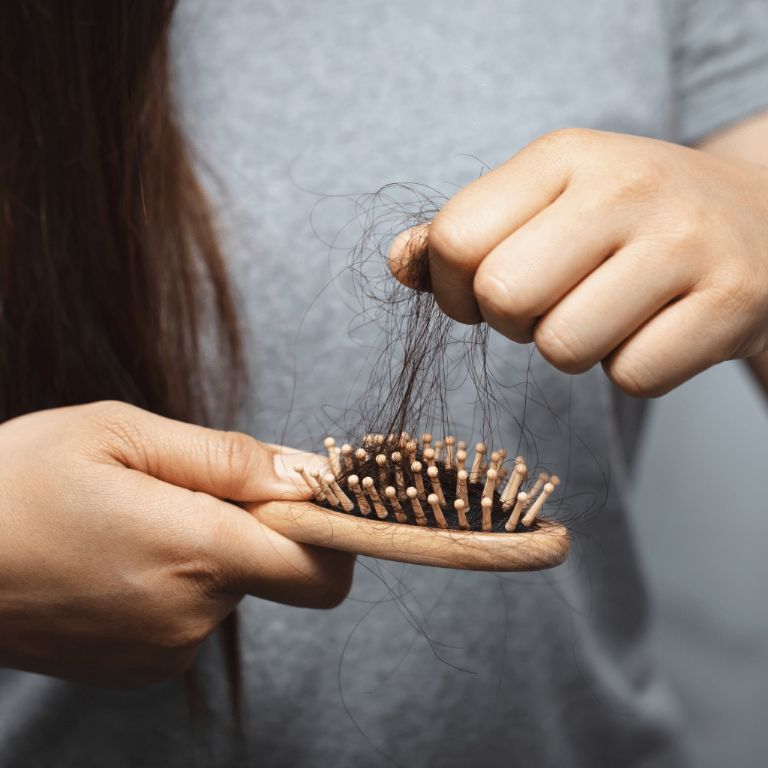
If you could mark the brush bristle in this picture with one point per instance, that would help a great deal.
(404, 480)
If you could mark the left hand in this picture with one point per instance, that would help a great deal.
(648, 256)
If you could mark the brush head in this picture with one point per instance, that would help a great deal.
(399, 500)
(426, 474)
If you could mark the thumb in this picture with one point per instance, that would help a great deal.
(407, 257)
(228, 465)
(256, 560)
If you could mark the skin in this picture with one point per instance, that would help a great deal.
(118, 556)
(746, 141)
(647, 257)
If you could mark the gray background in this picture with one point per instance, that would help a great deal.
(701, 517)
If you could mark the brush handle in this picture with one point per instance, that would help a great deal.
(544, 547)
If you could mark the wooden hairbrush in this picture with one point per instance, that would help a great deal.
(421, 502)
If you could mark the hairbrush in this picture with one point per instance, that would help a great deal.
(425, 502)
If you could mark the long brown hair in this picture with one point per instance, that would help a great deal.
(109, 266)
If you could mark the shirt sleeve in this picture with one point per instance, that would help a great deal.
(720, 60)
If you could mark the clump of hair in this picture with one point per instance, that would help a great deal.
(425, 354)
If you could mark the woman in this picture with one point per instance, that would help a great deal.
(119, 557)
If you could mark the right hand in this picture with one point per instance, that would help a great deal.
(117, 554)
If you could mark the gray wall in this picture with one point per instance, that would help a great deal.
(701, 514)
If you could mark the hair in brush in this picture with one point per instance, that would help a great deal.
(383, 479)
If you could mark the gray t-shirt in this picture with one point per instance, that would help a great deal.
(297, 106)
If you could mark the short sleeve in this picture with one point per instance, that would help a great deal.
(720, 64)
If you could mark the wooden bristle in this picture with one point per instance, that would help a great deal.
(461, 459)
(353, 481)
(434, 502)
(309, 482)
(373, 494)
(344, 500)
(397, 460)
(477, 464)
(540, 480)
(538, 505)
(327, 490)
(361, 456)
(434, 476)
(391, 495)
(509, 495)
(511, 523)
(487, 504)
(333, 455)
(315, 475)
(429, 456)
(460, 508)
(450, 441)
(346, 458)
(462, 489)
(438, 450)
(418, 511)
(503, 472)
(381, 461)
(418, 480)
(490, 483)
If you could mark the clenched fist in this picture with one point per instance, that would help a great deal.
(649, 257)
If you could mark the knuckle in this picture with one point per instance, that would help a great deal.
(567, 139)
(197, 574)
(449, 238)
(638, 181)
(239, 455)
(109, 411)
(561, 345)
(117, 425)
(505, 306)
(734, 292)
(498, 297)
(688, 232)
(635, 375)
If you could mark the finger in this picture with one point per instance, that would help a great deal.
(487, 211)
(608, 306)
(408, 258)
(258, 561)
(532, 269)
(669, 349)
(228, 465)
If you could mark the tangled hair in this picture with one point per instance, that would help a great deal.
(426, 355)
